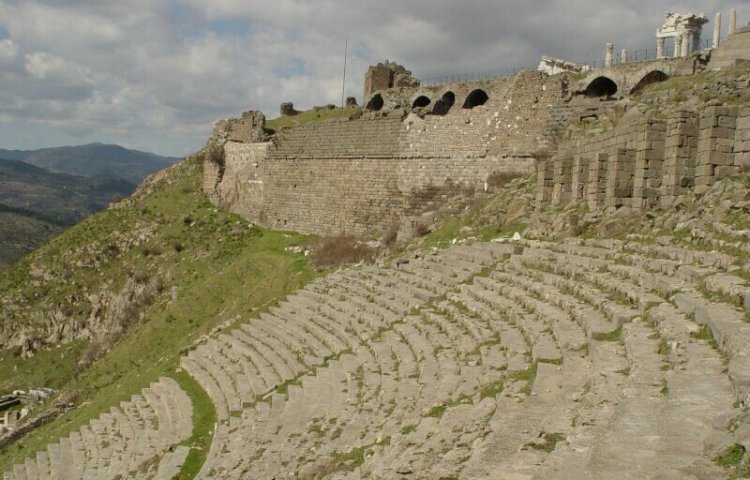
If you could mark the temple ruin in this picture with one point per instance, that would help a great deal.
(684, 29)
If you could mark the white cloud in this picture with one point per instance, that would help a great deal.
(155, 74)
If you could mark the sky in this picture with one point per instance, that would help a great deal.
(155, 75)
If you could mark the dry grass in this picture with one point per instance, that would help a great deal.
(332, 251)
(498, 180)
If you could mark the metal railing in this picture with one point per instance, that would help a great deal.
(473, 76)
(634, 56)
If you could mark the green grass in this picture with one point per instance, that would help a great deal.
(352, 459)
(528, 375)
(407, 429)
(310, 116)
(550, 442)
(437, 412)
(492, 390)
(204, 419)
(704, 333)
(450, 229)
(731, 456)
(613, 336)
(224, 273)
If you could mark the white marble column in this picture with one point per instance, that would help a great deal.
(608, 54)
(688, 43)
(677, 46)
(624, 56)
(732, 21)
(660, 47)
(717, 31)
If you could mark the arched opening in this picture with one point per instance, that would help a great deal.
(445, 103)
(601, 87)
(375, 103)
(654, 76)
(421, 102)
(476, 98)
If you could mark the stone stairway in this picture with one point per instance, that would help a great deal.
(135, 440)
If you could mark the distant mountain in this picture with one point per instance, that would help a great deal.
(36, 204)
(92, 160)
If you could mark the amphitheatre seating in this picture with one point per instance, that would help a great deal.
(540, 360)
(136, 440)
(528, 360)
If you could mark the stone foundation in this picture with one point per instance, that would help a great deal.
(646, 162)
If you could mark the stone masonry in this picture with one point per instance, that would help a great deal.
(413, 146)
(362, 175)
(645, 162)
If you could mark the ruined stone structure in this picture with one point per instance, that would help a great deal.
(553, 66)
(412, 146)
(387, 75)
(361, 175)
(646, 162)
(287, 109)
(684, 29)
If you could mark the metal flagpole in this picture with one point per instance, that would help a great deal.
(343, 82)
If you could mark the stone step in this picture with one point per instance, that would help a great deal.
(171, 463)
(731, 331)
(267, 343)
(209, 384)
(267, 373)
(42, 462)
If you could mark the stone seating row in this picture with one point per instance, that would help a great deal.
(136, 439)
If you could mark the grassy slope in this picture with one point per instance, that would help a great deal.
(222, 270)
(310, 116)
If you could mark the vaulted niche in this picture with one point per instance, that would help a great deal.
(652, 77)
(445, 103)
(476, 98)
(601, 87)
(421, 102)
(375, 103)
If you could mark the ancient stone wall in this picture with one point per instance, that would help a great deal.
(361, 175)
(645, 162)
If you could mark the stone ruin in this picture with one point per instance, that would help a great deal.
(287, 109)
(553, 66)
(351, 102)
(387, 75)
(685, 29)
(248, 128)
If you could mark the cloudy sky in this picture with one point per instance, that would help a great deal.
(155, 74)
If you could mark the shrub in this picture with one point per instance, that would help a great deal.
(500, 179)
(331, 251)
(390, 235)
(420, 229)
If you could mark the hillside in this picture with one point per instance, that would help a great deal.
(36, 204)
(93, 160)
(106, 307)
(600, 342)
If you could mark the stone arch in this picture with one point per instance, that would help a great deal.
(652, 77)
(376, 103)
(476, 98)
(421, 101)
(601, 87)
(445, 103)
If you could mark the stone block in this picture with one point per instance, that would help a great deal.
(728, 121)
(725, 171)
(706, 170)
